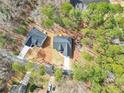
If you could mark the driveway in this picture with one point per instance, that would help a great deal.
(67, 63)
(23, 52)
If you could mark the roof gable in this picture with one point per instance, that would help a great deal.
(36, 38)
(82, 4)
(63, 44)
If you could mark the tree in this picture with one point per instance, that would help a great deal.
(88, 72)
(48, 11)
(58, 74)
(65, 8)
(113, 50)
(42, 70)
(21, 30)
(29, 66)
(18, 67)
(96, 88)
(87, 56)
(110, 88)
(2, 41)
(75, 14)
(48, 23)
(102, 7)
(115, 8)
(118, 69)
(67, 22)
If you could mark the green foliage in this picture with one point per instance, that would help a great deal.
(29, 66)
(37, 75)
(24, 22)
(36, 72)
(33, 87)
(21, 30)
(48, 11)
(65, 8)
(110, 23)
(113, 50)
(75, 14)
(111, 88)
(87, 56)
(88, 72)
(102, 7)
(96, 20)
(48, 23)
(120, 80)
(18, 67)
(58, 74)
(120, 59)
(2, 41)
(118, 69)
(115, 8)
(67, 22)
(103, 22)
(96, 88)
(42, 70)
(65, 16)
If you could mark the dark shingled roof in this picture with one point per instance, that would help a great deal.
(35, 38)
(63, 44)
(85, 2)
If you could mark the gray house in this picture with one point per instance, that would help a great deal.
(35, 38)
(82, 4)
(63, 44)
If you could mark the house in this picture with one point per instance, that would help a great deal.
(36, 38)
(82, 4)
(63, 45)
(75, 2)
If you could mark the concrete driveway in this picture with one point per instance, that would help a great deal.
(66, 63)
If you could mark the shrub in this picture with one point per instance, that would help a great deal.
(18, 67)
(96, 88)
(21, 30)
(48, 23)
(116, 8)
(48, 11)
(88, 72)
(67, 22)
(113, 50)
(118, 69)
(58, 74)
(2, 41)
(78, 68)
(58, 20)
(33, 87)
(65, 8)
(87, 56)
(29, 66)
(76, 15)
(42, 70)
(111, 88)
